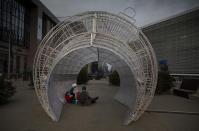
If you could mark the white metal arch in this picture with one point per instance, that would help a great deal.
(74, 41)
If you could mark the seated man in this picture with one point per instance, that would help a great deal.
(85, 99)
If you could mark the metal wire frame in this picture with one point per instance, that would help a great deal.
(120, 43)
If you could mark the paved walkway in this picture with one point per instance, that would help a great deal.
(24, 113)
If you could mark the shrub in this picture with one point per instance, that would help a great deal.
(114, 78)
(6, 90)
(82, 77)
(31, 79)
(165, 81)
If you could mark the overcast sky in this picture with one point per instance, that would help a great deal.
(147, 11)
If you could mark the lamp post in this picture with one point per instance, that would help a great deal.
(9, 55)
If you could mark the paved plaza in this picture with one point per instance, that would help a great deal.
(24, 113)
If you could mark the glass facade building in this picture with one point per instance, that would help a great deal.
(19, 29)
(13, 16)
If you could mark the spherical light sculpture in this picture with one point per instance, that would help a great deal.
(95, 36)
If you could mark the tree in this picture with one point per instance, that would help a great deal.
(114, 78)
(82, 77)
(6, 90)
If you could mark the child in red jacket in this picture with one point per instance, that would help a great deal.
(67, 97)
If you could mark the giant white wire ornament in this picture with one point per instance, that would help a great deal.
(89, 37)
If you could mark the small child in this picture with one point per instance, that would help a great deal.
(67, 97)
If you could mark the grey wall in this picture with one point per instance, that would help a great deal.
(177, 41)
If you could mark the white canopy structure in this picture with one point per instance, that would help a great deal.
(96, 36)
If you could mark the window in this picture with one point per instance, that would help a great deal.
(12, 17)
(47, 24)
(44, 25)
